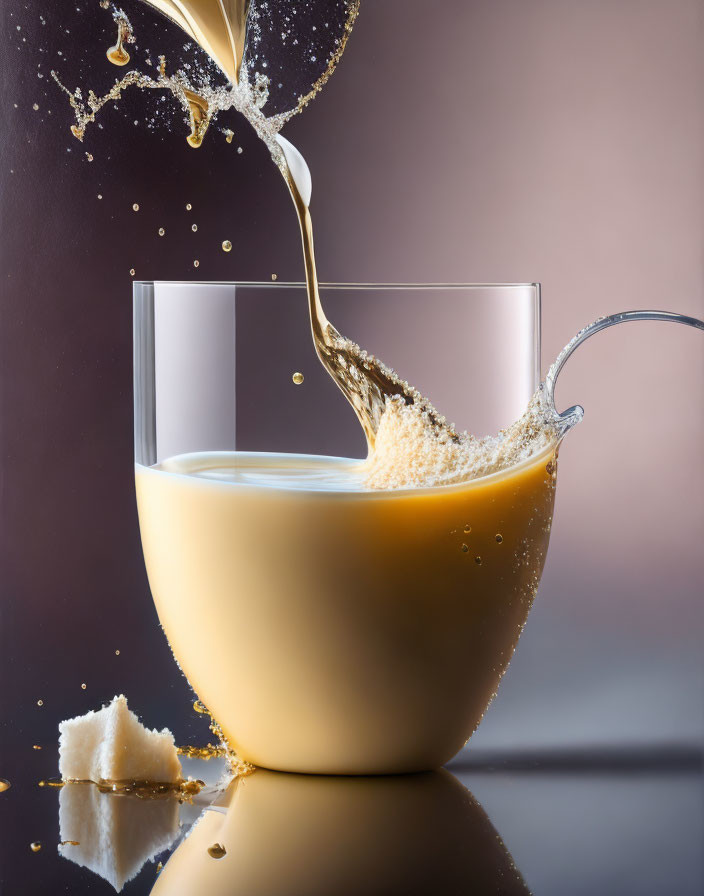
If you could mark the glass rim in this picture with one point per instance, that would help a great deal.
(300, 284)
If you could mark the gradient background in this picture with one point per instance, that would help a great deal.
(546, 140)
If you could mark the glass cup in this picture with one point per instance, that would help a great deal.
(334, 631)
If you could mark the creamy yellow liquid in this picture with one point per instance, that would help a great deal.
(333, 629)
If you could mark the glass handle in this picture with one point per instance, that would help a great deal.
(567, 419)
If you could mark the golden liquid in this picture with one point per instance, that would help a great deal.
(334, 630)
(117, 54)
(4, 785)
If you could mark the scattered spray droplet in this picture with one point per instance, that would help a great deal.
(196, 263)
(36, 846)
(217, 851)
(36, 747)
(135, 207)
(117, 653)
(132, 272)
(161, 231)
(200, 708)
(274, 276)
(188, 206)
(100, 195)
(298, 378)
(194, 227)
(4, 785)
(84, 686)
(89, 156)
(40, 703)
(159, 867)
(229, 135)
(36, 107)
(226, 246)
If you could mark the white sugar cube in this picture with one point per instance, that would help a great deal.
(113, 745)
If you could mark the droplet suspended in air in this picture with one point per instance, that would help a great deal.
(36, 846)
(298, 378)
(194, 227)
(135, 207)
(161, 231)
(196, 263)
(226, 246)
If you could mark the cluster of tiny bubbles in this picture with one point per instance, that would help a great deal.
(161, 231)
(499, 539)
(298, 378)
(226, 246)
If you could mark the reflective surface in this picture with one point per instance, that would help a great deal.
(615, 823)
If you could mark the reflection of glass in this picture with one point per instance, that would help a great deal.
(289, 834)
(114, 835)
(331, 630)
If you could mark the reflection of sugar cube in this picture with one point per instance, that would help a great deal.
(116, 834)
(112, 745)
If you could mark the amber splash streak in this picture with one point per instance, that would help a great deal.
(117, 54)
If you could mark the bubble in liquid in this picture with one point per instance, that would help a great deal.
(298, 378)
(40, 703)
(36, 846)
(499, 539)
(464, 548)
(161, 231)
(467, 529)
(135, 207)
(478, 561)
(217, 851)
(194, 227)
(226, 246)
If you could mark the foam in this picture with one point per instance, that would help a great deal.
(414, 448)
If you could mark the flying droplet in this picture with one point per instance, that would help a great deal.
(36, 107)
(194, 227)
(132, 272)
(298, 378)
(200, 708)
(188, 206)
(161, 231)
(4, 785)
(117, 653)
(36, 846)
(70, 843)
(100, 195)
(83, 686)
(478, 561)
(229, 135)
(196, 263)
(226, 246)
(217, 851)
(36, 747)
(274, 276)
(40, 703)
(135, 207)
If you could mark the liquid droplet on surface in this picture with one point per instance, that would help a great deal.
(499, 539)
(298, 378)
(226, 246)
(4, 785)
(217, 851)
(36, 846)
